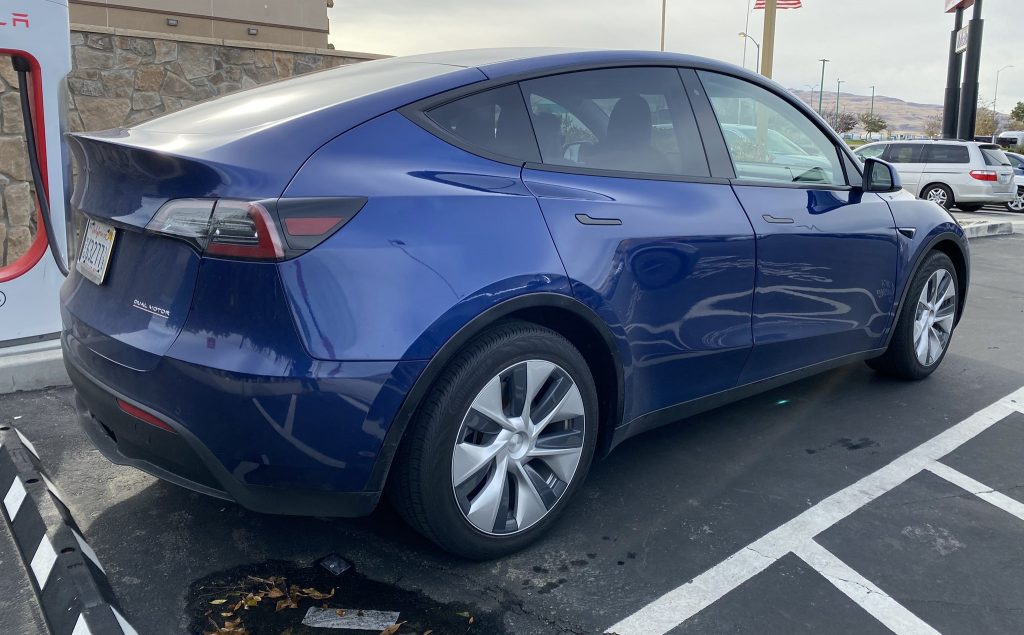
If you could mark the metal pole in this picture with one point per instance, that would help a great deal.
(966, 127)
(872, 100)
(821, 90)
(746, 29)
(995, 98)
(664, 7)
(768, 39)
(951, 104)
(839, 83)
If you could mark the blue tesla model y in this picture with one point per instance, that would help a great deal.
(456, 278)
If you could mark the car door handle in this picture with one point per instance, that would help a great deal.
(587, 219)
(776, 219)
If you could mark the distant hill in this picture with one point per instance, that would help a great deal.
(902, 116)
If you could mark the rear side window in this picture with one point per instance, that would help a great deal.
(493, 120)
(635, 120)
(870, 152)
(904, 153)
(946, 153)
(994, 155)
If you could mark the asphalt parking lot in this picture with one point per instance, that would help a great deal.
(845, 503)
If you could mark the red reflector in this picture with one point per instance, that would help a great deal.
(310, 226)
(143, 416)
(984, 175)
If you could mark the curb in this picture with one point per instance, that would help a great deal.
(32, 367)
(982, 229)
(69, 582)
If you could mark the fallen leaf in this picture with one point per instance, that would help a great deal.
(226, 614)
(275, 593)
(287, 603)
(471, 619)
(237, 605)
(428, 631)
(217, 601)
(340, 612)
(464, 614)
(391, 630)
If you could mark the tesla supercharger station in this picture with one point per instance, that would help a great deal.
(38, 32)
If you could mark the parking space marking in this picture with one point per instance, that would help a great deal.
(682, 603)
(984, 492)
(869, 597)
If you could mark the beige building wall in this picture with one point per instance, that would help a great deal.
(289, 22)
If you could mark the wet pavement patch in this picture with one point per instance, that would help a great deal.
(273, 598)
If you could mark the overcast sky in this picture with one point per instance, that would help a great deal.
(898, 45)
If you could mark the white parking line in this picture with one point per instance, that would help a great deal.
(984, 492)
(862, 591)
(678, 605)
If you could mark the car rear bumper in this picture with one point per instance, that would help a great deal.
(984, 193)
(292, 457)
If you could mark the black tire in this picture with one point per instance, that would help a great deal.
(899, 359)
(970, 207)
(420, 485)
(950, 202)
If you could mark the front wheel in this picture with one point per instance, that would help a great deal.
(501, 444)
(1017, 204)
(925, 327)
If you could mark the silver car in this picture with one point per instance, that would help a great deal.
(965, 174)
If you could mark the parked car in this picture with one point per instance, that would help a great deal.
(964, 174)
(457, 278)
(1010, 138)
(1017, 161)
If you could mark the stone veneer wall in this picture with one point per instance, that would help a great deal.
(120, 78)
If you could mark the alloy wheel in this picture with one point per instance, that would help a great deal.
(937, 195)
(1017, 204)
(933, 324)
(518, 447)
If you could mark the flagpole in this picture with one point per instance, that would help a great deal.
(768, 40)
(663, 8)
(746, 29)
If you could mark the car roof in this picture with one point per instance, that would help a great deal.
(927, 141)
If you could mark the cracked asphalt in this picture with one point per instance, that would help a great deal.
(663, 508)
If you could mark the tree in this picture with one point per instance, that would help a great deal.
(933, 126)
(986, 123)
(842, 122)
(1018, 111)
(873, 123)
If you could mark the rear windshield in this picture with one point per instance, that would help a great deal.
(994, 155)
(277, 101)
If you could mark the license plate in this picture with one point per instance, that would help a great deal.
(97, 246)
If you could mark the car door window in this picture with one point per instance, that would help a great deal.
(494, 121)
(632, 120)
(904, 153)
(769, 139)
(946, 153)
(870, 152)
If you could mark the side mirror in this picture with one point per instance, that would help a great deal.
(880, 176)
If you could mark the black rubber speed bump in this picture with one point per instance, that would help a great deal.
(68, 579)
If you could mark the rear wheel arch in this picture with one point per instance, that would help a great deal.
(959, 258)
(561, 313)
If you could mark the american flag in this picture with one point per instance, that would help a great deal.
(782, 4)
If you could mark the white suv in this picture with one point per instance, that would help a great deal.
(966, 174)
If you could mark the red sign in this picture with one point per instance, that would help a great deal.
(953, 5)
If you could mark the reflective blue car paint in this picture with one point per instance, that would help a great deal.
(826, 275)
(448, 241)
(292, 373)
(676, 276)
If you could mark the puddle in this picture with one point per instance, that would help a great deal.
(352, 592)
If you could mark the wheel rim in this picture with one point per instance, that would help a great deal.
(937, 195)
(1017, 204)
(936, 309)
(518, 447)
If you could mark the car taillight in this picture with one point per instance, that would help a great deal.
(144, 416)
(984, 175)
(254, 230)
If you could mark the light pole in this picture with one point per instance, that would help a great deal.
(747, 36)
(839, 83)
(813, 88)
(995, 97)
(664, 7)
(821, 91)
(872, 99)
